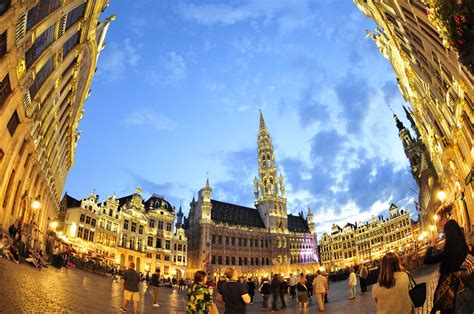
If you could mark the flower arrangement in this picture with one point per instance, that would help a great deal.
(454, 20)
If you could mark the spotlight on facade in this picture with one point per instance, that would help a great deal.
(420, 237)
(432, 228)
(147, 268)
(54, 224)
(424, 234)
(117, 260)
(73, 229)
(435, 217)
(441, 196)
(36, 204)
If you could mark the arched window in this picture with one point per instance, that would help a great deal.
(278, 242)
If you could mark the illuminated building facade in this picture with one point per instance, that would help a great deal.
(256, 241)
(362, 242)
(441, 93)
(127, 229)
(48, 56)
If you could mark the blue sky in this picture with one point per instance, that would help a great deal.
(179, 86)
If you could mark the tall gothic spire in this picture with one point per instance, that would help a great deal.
(263, 126)
(409, 116)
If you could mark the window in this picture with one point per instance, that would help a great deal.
(88, 220)
(134, 227)
(42, 42)
(213, 259)
(71, 43)
(132, 243)
(124, 240)
(233, 260)
(151, 223)
(167, 259)
(180, 247)
(41, 77)
(140, 229)
(219, 260)
(3, 44)
(109, 225)
(83, 218)
(75, 15)
(160, 225)
(80, 231)
(168, 226)
(150, 241)
(158, 243)
(13, 123)
(91, 236)
(125, 224)
(158, 256)
(184, 248)
(213, 239)
(219, 239)
(226, 240)
(5, 89)
(167, 244)
(233, 241)
(86, 234)
(140, 245)
(40, 11)
(4, 5)
(175, 247)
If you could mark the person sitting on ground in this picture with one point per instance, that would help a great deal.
(391, 293)
(10, 250)
(31, 258)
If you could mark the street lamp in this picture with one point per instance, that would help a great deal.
(35, 204)
(432, 228)
(441, 195)
(54, 224)
(435, 217)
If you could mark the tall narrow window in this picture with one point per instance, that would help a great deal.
(40, 11)
(4, 6)
(74, 15)
(13, 123)
(41, 77)
(5, 89)
(8, 190)
(3, 44)
(42, 42)
(71, 43)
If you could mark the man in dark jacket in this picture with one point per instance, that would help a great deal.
(251, 289)
(265, 290)
(275, 288)
(283, 291)
(155, 283)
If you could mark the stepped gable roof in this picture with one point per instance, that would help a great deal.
(236, 215)
(157, 201)
(297, 224)
(71, 202)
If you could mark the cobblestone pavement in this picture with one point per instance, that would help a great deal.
(23, 289)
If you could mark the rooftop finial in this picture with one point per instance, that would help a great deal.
(207, 180)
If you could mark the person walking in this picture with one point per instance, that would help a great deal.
(363, 273)
(200, 296)
(155, 283)
(320, 286)
(293, 282)
(265, 290)
(283, 291)
(251, 289)
(451, 258)
(391, 292)
(303, 296)
(130, 282)
(233, 294)
(275, 289)
(352, 283)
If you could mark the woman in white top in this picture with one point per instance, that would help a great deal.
(391, 291)
(352, 283)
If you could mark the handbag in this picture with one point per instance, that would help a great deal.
(417, 292)
(446, 292)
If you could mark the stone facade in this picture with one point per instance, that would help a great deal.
(362, 242)
(441, 93)
(256, 241)
(48, 56)
(127, 229)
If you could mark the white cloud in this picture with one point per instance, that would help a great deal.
(118, 58)
(148, 118)
(289, 15)
(171, 69)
